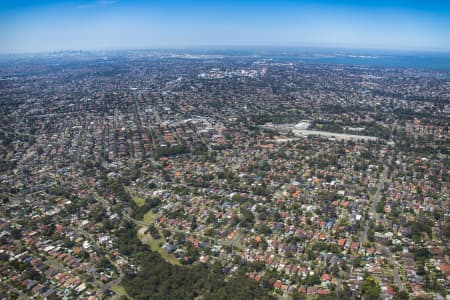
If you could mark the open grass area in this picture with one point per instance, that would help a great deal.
(154, 245)
(119, 289)
(150, 217)
(138, 200)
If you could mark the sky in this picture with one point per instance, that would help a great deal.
(51, 25)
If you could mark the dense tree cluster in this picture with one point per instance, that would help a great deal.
(370, 288)
(157, 279)
(170, 151)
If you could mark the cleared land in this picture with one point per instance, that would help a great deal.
(286, 128)
(338, 136)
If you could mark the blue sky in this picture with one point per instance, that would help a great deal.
(49, 25)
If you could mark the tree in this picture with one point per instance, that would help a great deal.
(312, 280)
(402, 295)
(370, 288)
(247, 219)
(328, 297)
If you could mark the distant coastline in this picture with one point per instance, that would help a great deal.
(433, 61)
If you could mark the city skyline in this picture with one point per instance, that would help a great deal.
(42, 26)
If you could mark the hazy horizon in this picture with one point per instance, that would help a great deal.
(48, 26)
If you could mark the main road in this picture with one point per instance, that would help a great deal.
(375, 200)
(373, 216)
(396, 275)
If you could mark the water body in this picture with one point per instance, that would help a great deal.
(431, 61)
(439, 61)
(427, 62)
(434, 61)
